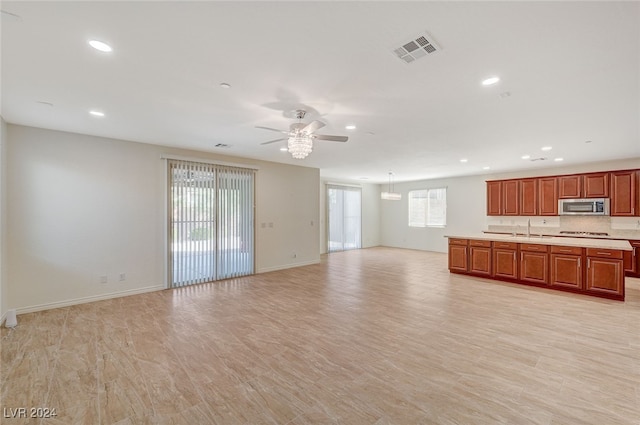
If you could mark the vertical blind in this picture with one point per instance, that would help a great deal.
(345, 217)
(211, 222)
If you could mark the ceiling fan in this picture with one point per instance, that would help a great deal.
(300, 136)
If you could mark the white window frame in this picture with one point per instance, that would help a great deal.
(423, 215)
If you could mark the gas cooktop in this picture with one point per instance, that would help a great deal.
(570, 232)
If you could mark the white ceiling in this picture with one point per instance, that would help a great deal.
(572, 70)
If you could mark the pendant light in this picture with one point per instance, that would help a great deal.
(391, 195)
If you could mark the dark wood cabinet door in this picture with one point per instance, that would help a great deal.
(505, 264)
(511, 197)
(623, 193)
(566, 271)
(548, 196)
(480, 260)
(570, 186)
(494, 198)
(595, 185)
(458, 258)
(529, 197)
(605, 275)
(534, 267)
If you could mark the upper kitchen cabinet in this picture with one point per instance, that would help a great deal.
(503, 197)
(570, 186)
(529, 197)
(494, 198)
(592, 185)
(595, 185)
(511, 197)
(624, 196)
(548, 196)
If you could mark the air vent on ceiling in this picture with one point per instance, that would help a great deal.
(417, 47)
(221, 145)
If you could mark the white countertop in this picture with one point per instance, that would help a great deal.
(550, 240)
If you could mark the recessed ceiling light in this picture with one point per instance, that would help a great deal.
(546, 148)
(489, 81)
(99, 45)
(525, 156)
(464, 160)
(283, 149)
(558, 159)
(97, 113)
(486, 168)
(225, 85)
(350, 127)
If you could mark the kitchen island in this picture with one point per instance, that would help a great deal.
(582, 265)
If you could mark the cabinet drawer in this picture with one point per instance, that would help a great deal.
(573, 250)
(506, 245)
(486, 244)
(635, 243)
(534, 247)
(454, 241)
(604, 253)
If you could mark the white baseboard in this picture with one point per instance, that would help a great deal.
(287, 266)
(83, 300)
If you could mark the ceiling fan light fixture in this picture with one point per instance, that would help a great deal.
(300, 145)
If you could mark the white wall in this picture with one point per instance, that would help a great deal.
(465, 213)
(370, 213)
(82, 206)
(3, 224)
(466, 205)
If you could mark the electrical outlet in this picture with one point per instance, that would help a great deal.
(122, 277)
(104, 279)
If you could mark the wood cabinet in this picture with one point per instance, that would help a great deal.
(632, 260)
(494, 198)
(458, 258)
(534, 263)
(548, 196)
(529, 197)
(624, 193)
(570, 186)
(590, 271)
(595, 185)
(539, 196)
(504, 260)
(592, 185)
(605, 272)
(511, 197)
(566, 267)
(480, 257)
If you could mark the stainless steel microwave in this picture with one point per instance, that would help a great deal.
(595, 206)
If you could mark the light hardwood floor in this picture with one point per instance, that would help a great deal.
(375, 336)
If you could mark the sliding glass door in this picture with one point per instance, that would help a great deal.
(211, 222)
(344, 216)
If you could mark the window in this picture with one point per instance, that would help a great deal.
(428, 207)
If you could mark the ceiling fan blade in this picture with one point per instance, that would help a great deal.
(272, 141)
(330, 138)
(273, 129)
(313, 126)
